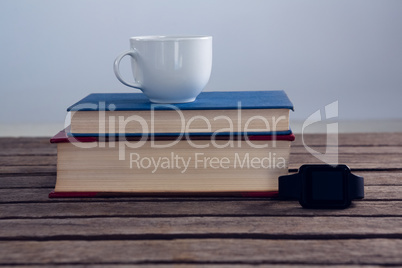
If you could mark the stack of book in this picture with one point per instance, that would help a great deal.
(223, 143)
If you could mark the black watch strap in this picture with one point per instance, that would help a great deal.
(290, 186)
(356, 187)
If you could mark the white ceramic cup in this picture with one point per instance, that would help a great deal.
(169, 69)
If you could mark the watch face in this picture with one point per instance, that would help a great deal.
(325, 187)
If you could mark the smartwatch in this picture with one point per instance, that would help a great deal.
(322, 186)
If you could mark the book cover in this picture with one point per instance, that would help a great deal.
(222, 113)
(217, 100)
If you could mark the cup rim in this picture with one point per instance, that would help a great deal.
(163, 38)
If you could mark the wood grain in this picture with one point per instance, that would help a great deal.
(206, 251)
(199, 231)
(9, 181)
(27, 181)
(41, 195)
(364, 162)
(22, 170)
(38, 146)
(347, 153)
(26, 146)
(189, 208)
(201, 227)
(352, 139)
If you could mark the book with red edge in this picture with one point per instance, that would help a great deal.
(227, 165)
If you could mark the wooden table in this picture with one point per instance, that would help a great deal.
(35, 230)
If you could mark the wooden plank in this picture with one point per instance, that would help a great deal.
(372, 178)
(26, 146)
(44, 151)
(6, 141)
(41, 195)
(352, 139)
(365, 162)
(40, 159)
(381, 178)
(383, 193)
(192, 207)
(27, 181)
(355, 150)
(32, 142)
(357, 161)
(26, 151)
(201, 227)
(28, 160)
(190, 251)
(6, 171)
(41, 146)
(51, 159)
(210, 265)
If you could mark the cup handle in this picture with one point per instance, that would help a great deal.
(116, 68)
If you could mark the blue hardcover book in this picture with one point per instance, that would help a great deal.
(212, 113)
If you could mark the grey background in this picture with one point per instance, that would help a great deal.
(53, 53)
